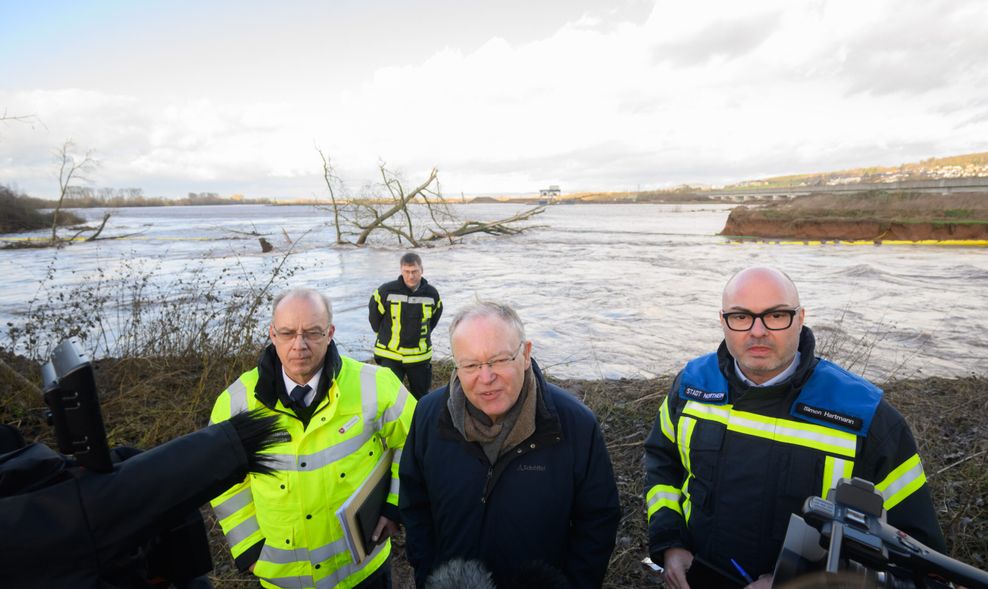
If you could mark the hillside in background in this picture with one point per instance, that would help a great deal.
(972, 165)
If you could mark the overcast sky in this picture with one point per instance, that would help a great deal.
(503, 97)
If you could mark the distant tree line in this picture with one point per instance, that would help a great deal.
(82, 197)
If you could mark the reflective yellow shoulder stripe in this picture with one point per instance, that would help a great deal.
(665, 496)
(686, 426)
(665, 422)
(719, 413)
(902, 482)
(395, 325)
(377, 298)
(405, 355)
(785, 431)
(835, 469)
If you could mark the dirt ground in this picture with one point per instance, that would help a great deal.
(871, 216)
(149, 401)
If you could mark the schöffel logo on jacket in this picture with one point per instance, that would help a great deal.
(531, 468)
(703, 396)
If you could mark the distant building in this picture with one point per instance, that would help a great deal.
(550, 192)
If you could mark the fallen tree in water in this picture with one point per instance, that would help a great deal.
(392, 212)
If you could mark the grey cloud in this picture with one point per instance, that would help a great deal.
(912, 53)
(729, 39)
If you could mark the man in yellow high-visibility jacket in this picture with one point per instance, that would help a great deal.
(342, 417)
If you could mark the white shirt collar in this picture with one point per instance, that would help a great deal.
(782, 376)
(313, 383)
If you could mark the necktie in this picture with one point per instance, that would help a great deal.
(298, 395)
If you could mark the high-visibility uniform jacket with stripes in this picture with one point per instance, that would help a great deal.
(726, 464)
(404, 319)
(286, 523)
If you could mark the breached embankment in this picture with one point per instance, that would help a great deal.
(876, 217)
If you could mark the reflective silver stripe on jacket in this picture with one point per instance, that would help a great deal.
(233, 504)
(317, 460)
(422, 300)
(241, 531)
(368, 394)
(393, 412)
(396, 459)
(238, 398)
(327, 582)
(289, 555)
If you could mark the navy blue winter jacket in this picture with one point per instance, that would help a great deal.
(552, 499)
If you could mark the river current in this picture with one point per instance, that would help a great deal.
(605, 290)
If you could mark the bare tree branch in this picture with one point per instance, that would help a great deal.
(499, 227)
(106, 217)
(390, 211)
(329, 175)
(398, 207)
(70, 170)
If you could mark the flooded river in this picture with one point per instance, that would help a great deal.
(605, 290)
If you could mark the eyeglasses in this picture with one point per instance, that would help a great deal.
(309, 335)
(773, 320)
(471, 368)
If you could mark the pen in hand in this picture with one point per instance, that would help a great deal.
(743, 572)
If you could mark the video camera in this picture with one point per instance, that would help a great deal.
(69, 387)
(848, 531)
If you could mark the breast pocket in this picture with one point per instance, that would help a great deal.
(801, 476)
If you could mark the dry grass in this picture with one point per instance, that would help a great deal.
(881, 206)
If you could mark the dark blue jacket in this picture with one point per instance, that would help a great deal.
(756, 453)
(552, 499)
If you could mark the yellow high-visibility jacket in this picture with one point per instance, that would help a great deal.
(286, 523)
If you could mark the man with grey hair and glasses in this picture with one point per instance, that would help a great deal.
(748, 433)
(502, 467)
(342, 418)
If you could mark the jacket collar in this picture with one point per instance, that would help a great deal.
(807, 361)
(271, 386)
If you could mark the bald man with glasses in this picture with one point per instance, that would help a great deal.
(503, 467)
(342, 418)
(746, 434)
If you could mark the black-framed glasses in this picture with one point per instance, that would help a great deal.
(773, 319)
(309, 335)
(471, 368)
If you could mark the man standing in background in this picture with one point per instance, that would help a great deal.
(403, 314)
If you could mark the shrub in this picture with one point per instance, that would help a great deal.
(21, 213)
